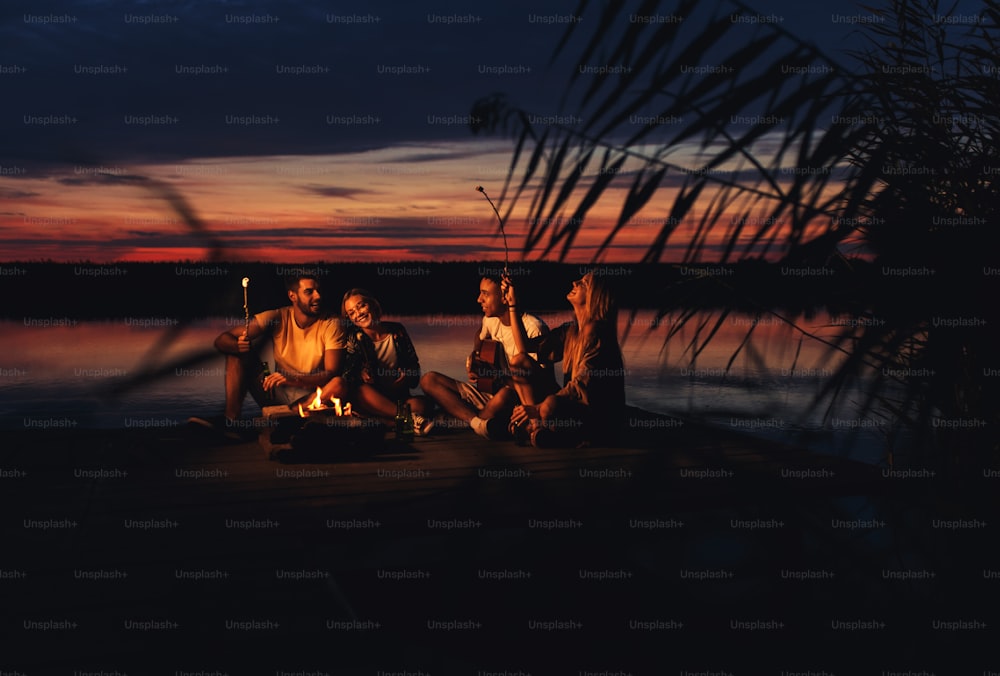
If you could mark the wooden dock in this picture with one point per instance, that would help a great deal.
(450, 554)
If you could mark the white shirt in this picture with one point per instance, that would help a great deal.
(494, 329)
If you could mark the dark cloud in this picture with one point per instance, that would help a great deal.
(101, 179)
(118, 81)
(437, 156)
(334, 191)
(9, 194)
(175, 80)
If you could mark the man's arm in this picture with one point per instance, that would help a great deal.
(236, 341)
(333, 364)
(522, 343)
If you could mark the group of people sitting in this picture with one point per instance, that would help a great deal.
(511, 391)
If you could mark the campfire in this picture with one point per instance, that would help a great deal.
(321, 430)
(317, 406)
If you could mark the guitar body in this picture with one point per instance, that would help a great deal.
(490, 367)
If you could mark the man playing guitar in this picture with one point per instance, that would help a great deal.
(486, 401)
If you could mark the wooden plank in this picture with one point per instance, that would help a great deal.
(164, 505)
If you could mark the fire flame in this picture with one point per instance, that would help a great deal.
(317, 402)
(317, 405)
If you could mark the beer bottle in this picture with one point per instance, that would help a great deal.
(407, 423)
(265, 371)
(400, 419)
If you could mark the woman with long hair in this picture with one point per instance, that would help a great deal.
(589, 408)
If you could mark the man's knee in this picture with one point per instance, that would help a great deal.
(524, 369)
(522, 361)
(239, 371)
(505, 396)
(432, 381)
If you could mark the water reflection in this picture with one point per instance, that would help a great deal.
(60, 374)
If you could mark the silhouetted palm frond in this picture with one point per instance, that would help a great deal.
(749, 144)
(652, 89)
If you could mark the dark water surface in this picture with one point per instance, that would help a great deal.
(61, 372)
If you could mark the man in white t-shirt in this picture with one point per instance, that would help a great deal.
(308, 351)
(487, 409)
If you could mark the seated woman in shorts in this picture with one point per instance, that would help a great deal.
(382, 364)
(590, 406)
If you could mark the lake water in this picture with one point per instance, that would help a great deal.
(59, 373)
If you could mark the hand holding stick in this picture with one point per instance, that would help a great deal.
(507, 294)
(246, 307)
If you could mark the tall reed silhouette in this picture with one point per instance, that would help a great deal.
(749, 144)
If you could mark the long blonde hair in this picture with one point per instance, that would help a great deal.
(600, 306)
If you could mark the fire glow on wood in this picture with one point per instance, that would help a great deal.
(317, 405)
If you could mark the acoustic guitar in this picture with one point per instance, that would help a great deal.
(490, 367)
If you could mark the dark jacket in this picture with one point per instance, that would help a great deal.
(361, 351)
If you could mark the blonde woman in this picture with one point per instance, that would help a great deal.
(589, 408)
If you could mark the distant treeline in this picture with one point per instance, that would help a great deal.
(188, 290)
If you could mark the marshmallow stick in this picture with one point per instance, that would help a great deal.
(506, 255)
(246, 305)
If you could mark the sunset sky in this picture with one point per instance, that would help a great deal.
(294, 131)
